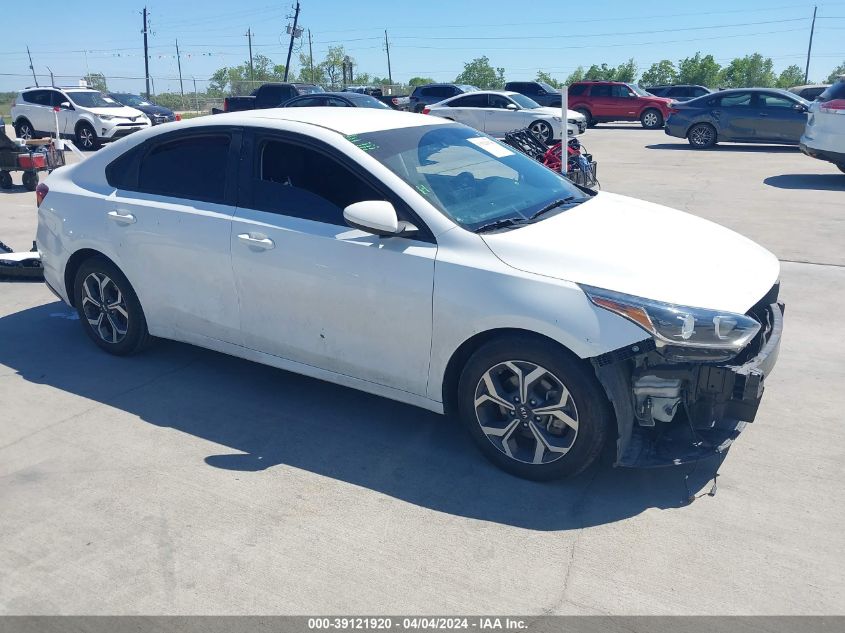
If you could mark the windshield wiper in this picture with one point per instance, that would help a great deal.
(501, 224)
(552, 205)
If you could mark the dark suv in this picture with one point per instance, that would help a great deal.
(601, 101)
(435, 93)
(539, 91)
(680, 92)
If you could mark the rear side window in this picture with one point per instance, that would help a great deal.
(739, 99)
(600, 91)
(678, 91)
(191, 167)
(37, 97)
(577, 89)
(699, 92)
(446, 91)
(469, 101)
(307, 102)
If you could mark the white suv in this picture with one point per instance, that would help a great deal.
(824, 136)
(85, 115)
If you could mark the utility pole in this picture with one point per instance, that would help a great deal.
(387, 47)
(311, 56)
(146, 55)
(179, 65)
(292, 36)
(810, 47)
(196, 96)
(251, 70)
(52, 81)
(32, 68)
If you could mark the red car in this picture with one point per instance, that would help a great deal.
(602, 101)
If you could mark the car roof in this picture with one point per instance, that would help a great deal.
(340, 120)
(809, 86)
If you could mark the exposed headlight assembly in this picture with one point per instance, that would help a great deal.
(682, 333)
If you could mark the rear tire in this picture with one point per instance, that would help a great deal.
(5, 180)
(30, 180)
(108, 308)
(652, 119)
(702, 136)
(533, 409)
(24, 129)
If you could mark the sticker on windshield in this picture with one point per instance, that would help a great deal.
(424, 190)
(367, 146)
(490, 146)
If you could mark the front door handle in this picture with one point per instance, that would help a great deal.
(122, 217)
(259, 242)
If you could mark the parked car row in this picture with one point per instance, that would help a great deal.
(89, 117)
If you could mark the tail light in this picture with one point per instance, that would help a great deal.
(834, 106)
(178, 117)
(226, 104)
(426, 110)
(41, 192)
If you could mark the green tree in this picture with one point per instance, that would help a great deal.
(661, 73)
(600, 73)
(481, 74)
(547, 78)
(332, 66)
(241, 80)
(305, 63)
(420, 81)
(748, 72)
(97, 81)
(837, 72)
(791, 76)
(702, 71)
(626, 72)
(575, 76)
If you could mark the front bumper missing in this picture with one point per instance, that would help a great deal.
(714, 401)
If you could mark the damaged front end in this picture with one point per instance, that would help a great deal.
(677, 404)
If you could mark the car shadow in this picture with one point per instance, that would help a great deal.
(265, 417)
(818, 182)
(734, 147)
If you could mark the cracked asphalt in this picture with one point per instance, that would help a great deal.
(182, 481)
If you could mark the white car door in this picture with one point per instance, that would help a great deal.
(499, 120)
(314, 290)
(171, 215)
(39, 110)
(469, 109)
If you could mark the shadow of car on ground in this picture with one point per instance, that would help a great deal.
(269, 417)
(818, 182)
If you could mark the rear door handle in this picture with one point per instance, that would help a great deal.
(122, 217)
(259, 242)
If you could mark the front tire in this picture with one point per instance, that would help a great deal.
(86, 138)
(652, 119)
(30, 180)
(5, 180)
(542, 131)
(702, 136)
(533, 409)
(587, 115)
(108, 308)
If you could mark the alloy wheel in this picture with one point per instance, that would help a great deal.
(86, 137)
(526, 412)
(650, 119)
(542, 131)
(701, 135)
(25, 131)
(104, 307)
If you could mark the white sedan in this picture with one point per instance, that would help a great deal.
(498, 112)
(423, 261)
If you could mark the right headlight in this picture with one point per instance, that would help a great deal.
(718, 335)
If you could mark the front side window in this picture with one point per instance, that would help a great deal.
(301, 182)
(635, 89)
(498, 101)
(470, 178)
(619, 91)
(768, 100)
(93, 99)
(524, 102)
(191, 167)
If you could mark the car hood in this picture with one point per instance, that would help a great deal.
(570, 114)
(123, 111)
(153, 109)
(643, 249)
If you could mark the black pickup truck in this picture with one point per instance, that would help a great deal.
(267, 96)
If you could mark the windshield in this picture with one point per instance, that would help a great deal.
(133, 100)
(309, 90)
(639, 91)
(92, 99)
(467, 88)
(366, 101)
(524, 102)
(469, 177)
(547, 87)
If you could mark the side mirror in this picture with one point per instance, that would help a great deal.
(65, 105)
(377, 217)
(542, 92)
(511, 106)
(800, 107)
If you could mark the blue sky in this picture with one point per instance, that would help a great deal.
(428, 38)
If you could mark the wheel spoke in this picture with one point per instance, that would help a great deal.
(558, 412)
(542, 442)
(505, 430)
(525, 381)
(492, 394)
(95, 323)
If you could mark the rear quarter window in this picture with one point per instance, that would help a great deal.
(577, 89)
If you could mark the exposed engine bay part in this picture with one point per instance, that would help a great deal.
(671, 412)
(20, 266)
